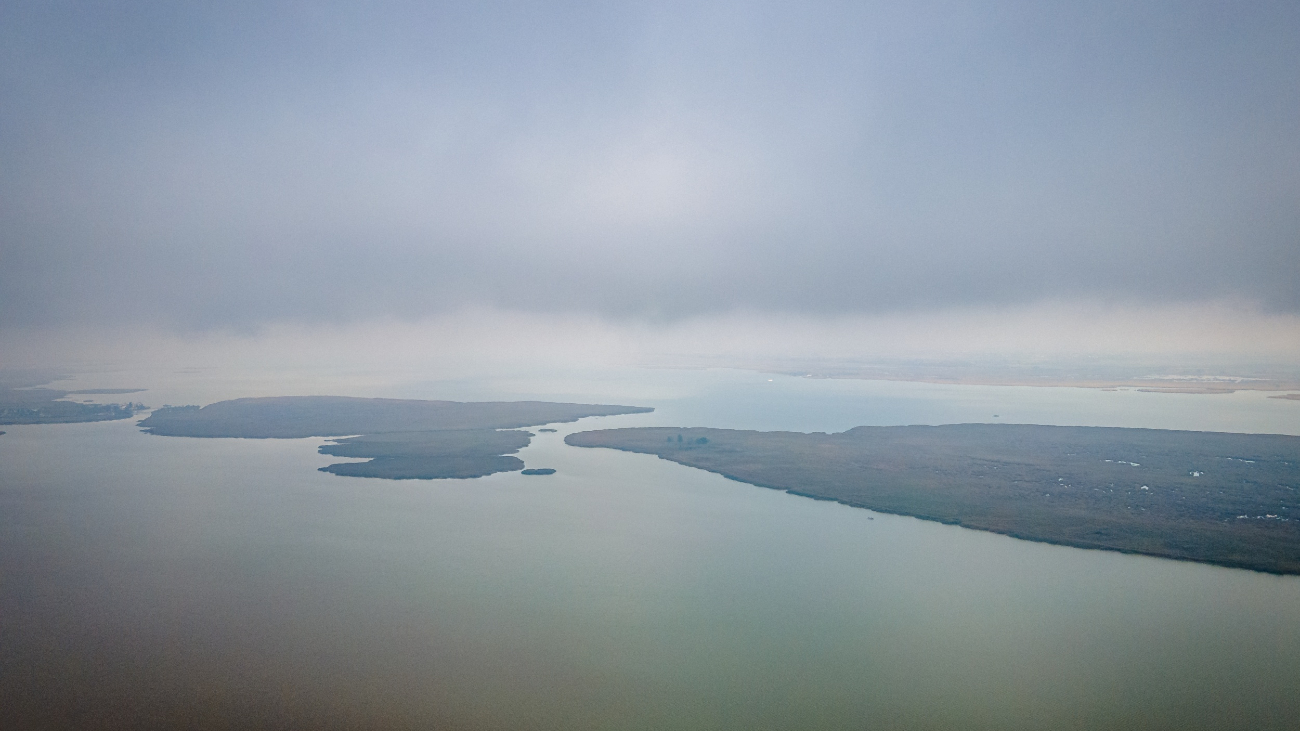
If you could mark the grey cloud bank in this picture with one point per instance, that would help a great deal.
(201, 165)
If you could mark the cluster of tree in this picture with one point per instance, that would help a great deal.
(701, 440)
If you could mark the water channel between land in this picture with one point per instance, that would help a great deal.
(226, 582)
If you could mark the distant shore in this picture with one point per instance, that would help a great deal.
(47, 406)
(975, 377)
(1144, 385)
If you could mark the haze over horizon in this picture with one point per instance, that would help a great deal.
(833, 179)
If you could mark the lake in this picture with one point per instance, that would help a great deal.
(219, 583)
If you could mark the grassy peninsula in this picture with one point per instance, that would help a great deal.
(1227, 499)
(401, 438)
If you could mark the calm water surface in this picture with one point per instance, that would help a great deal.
(164, 582)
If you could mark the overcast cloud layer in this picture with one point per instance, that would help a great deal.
(215, 164)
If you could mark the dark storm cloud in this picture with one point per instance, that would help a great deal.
(216, 164)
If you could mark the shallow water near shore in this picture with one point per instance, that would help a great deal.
(171, 582)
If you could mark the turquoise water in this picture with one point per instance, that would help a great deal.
(149, 581)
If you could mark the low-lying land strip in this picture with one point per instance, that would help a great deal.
(1207, 378)
(44, 406)
(448, 453)
(402, 438)
(1227, 499)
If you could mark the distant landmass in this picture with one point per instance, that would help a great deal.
(1227, 499)
(402, 439)
(43, 406)
(29, 377)
(1183, 378)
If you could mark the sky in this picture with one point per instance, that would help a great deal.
(241, 167)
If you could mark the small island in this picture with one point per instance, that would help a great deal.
(539, 471)
(1226, 499)
(402, 439)
(425, 455)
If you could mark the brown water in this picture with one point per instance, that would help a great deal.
(169, 583)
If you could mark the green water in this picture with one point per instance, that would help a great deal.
(171, 583)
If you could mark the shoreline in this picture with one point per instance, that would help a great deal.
(1143, 385)
(1159, 493)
